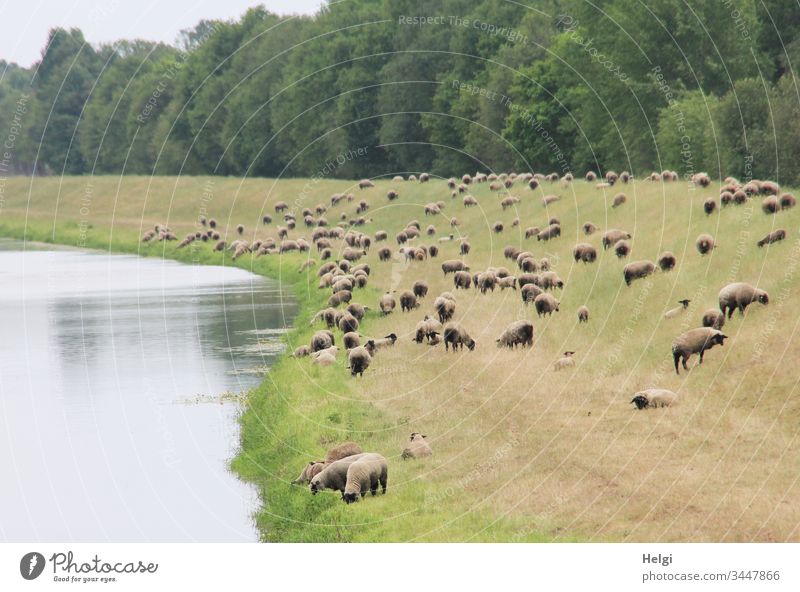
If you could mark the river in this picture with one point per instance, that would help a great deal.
(119, 386)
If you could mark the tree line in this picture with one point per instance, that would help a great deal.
(445, 86)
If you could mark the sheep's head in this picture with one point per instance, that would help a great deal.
(316, 485)
(471, 344)
(762, 296)
(640, 401)
(350, 497)
(719, 338)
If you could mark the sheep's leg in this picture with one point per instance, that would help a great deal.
(685, 359)
(702, 352)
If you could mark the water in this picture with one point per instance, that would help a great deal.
(111, 367)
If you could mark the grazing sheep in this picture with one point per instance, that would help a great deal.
(426, 329)
(311, 470)
(529, 293)
(420, 289)
(611, 177)
(387, 304)
(584, 252)
(591, 177)
(612, 237)
(462, 279)
(454, 265)
(351, 340)
(365, 183)
(334, 475)
(770, 205)
(341, 297)
(622, 249)
(385, 254)
(589, 228)
(772, 237)
(565, 361)
(533, 183)
(497, 227)
(408, 301)
(279, 207)
(787, 201)
(417, 448)
(678, 310)
(531, 231)
(550, 280)
(654, 398)
(464, 248)
(301, 352)
(457, 337)
(667, 261)
(549, 232)
(364, 474)
(739, 197)
(348, 323)
(740, 295)
(507, 282)
(358, 359)
(637, 270)
(705, 244)
(517, 333)
(382, 342)
(324, 359)
(709, 206)
(486, 281)
(725, 198)
(545, 304)
(528, 265)
(322, 340)
(445, 308)
(713, 318)
(583, 314)
(357, 310)
(695, 341)
(619, 199)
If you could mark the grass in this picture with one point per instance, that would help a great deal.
(521, 452)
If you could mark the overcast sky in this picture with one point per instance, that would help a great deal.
(24, 24)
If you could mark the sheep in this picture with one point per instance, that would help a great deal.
(531, 231)
(340, 297)
(740, 295)
(549, 232)
(420, 289)
(364, 474)
(548, 199)
(382, 342)
(637, 270)
(545, 304)
(528, 265)
(674, 312)
(464, 248)
(324, 359)
(622, 249)
(770, 205)
(469, 201)
(417, 448)
(454, 265)
(517, 333)
(426, 328)
(322, 340)
(787, 201)
(584, 252)
(385, 254)
(433, 251)
(654, 398)
(508, 202)
(564, 361)
(357, 310)
(667, 261)
(334, 475)
(529, 293)
(612, 237)
(619, 199)
(387, 304)
(772, 237)
(462, 279)
(311, 470)
(279, 207)
(507, 282)
(695, 341)
(705, 244)
(713, 318)
(591, 177)
(408, 301)
(301, 351)
(497, 227)
(486, 281)
(348, 323)
(589, 228)
(365, 183)
(611, 177)
(351, 340)
(359, 359)
(583, 314)
(769, 188)
(739, 197)
(457, 337)
(709, 206)
(550, 280)
(445, 308)
(725, 198)
(701, 179)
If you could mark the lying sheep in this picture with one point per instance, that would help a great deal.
(772, 237)
(408, 301)
(583, 314)
(387, 304)
(654, 398)
(740, 295)
(418, 447)
(364, 474)
(584, 252)
(334, 475)
(545, 304)
(667, 261)
(565, 362)
(637, 270)
(713, 318)
(695, 341)
(674, 312)
(359, 359)
(457, 337)
(517, 333)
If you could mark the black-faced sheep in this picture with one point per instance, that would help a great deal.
(365, 474)
(359, 359)
(695, 341)
(517, 333)
(584, 252)
(705, 244)
(678, 310)
(334, 475)
(612, 237)
(454, 265)
(565, 361)
(740, 295)
(382, 342)
(654, 398)
(497, 227)
(545, 304)
(713, 318)
(637, 270)
(418, 447)
(457, 337)
(667, 261)
(772, 237)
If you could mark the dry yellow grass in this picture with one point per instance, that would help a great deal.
(558, 453)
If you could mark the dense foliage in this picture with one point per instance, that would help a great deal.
(547, 85)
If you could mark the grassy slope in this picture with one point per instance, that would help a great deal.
(521, 452)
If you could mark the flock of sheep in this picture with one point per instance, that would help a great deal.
(346, 468)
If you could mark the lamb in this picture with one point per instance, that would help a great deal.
(637, 270)
(454, 265)
(322, 340)
(301, 352)
(517, 333)
(619, 199)
(549, 232)
(334, 475)
(772, 237)
(583, 314)
(713, 318)
(584, 252)
(458, 337)
(359, 359)
(678, 310)
(667, 261)
(565, 361)
(695, 341)
(611, 237)
(545, 304)
(365, 474)
(740, 295)
(709, 206)
(654, 398)
(462, 279)
(417, 448)
(408, 301)
(387, 304)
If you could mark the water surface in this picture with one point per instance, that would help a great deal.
(112, 427)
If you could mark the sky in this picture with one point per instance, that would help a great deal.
(24, 24)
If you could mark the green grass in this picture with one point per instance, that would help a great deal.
(522, 453)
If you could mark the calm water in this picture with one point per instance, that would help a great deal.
(111, 367)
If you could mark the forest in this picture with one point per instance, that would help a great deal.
(446, 87)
